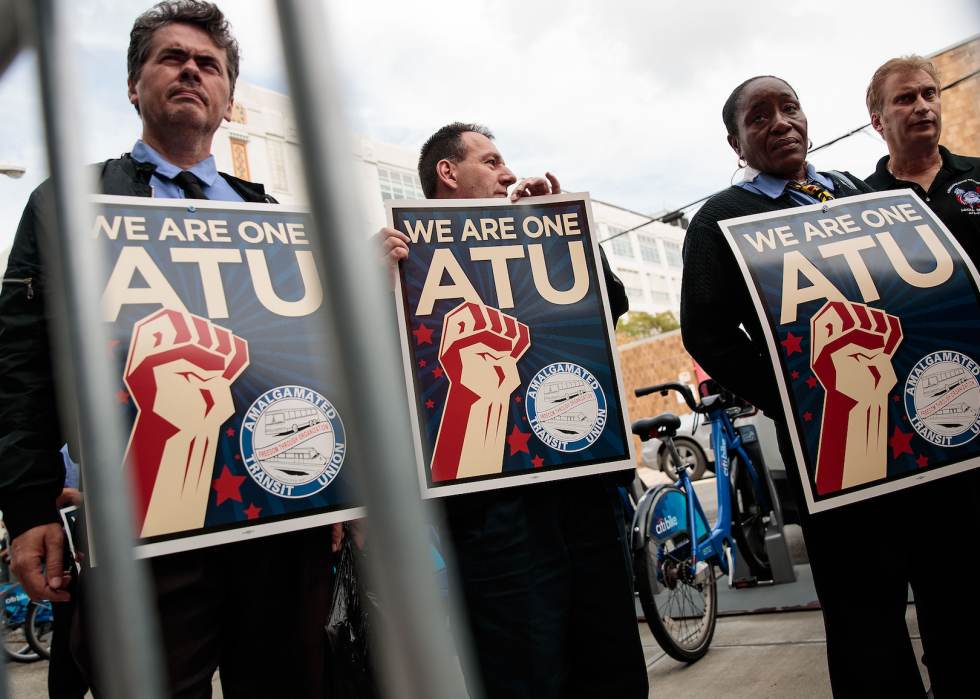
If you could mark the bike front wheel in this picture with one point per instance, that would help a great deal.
(750, 520)
(40, 628)
(681, 615)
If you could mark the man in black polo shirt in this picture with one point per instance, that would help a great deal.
(903, 100)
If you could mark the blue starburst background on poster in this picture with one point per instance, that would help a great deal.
(575, 333)
(283, 351)
(943, 317)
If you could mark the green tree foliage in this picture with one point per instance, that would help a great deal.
(639, 325)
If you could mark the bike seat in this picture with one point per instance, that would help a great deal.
(663, 425)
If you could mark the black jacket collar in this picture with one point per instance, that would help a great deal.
(951, 162)
(129, 177)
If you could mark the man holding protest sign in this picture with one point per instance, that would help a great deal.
(544, 568)
(183, 63)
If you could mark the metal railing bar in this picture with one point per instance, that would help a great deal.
(414, 646)
(122, 620)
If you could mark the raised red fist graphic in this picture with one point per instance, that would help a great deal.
(851, 353)
(479, 352)
(179, 371)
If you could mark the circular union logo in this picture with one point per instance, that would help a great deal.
(942, 398)
(293, 442)
(566, 407)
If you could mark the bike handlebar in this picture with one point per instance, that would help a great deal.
(662, 388)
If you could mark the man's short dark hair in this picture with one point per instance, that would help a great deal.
(198, 13)
(729, 112)
(445, 144)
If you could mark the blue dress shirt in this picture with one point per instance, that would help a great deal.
(214, 185)
(773, 187)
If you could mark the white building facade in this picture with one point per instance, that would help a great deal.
(261, 144)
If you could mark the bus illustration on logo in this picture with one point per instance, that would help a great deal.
(279, 422)
(942, 383)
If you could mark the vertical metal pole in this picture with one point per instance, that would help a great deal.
(415, 647)
(123, 623)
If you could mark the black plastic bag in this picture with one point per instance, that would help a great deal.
(351, 651)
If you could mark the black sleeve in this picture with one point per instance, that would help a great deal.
(862, 186)
(715, 306)
(32, 471)
(618, 303)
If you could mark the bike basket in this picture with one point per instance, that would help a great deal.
(668, 516)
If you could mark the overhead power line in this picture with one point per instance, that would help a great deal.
(678, 213)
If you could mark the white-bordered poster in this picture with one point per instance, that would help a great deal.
(872, 315)
(508, 343)
(226, 376)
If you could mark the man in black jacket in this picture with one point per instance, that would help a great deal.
(183, 63)
(545, 570)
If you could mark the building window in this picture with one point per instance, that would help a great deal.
(675, 284)
(648, 249)
(658, 287)
(399, 185)
(239, 157)
(674, 258)
(631, 280)
(277, 164)
(620, 246)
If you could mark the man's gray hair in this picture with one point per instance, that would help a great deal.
(445, 144)
(201, 14)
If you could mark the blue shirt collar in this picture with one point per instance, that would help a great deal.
(773, 187)
(206, 170)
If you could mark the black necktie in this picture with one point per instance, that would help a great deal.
(191, 185)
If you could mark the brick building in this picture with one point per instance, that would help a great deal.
(961, 103)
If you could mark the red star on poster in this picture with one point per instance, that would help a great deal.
(230, 432)
(895, 398)
(517, 398)
(792, 344)
(518, 441)
(812, 382)
(122, 397)
(437, 372)
(237, 457)
(421, 362)
(537, 461)
(796, 374)
(252, 512)
(900, 443)
(922, 461)
(227, 486)
(423, 334)
(807, 416)
(429, 404)
(111, 345)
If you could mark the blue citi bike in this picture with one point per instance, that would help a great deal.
(25, 627)
(676, 573)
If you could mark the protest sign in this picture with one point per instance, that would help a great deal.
(508, 343)
(226, 379)
(872, 317)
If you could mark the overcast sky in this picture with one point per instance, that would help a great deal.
(620, 98)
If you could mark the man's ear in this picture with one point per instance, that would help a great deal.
(133, 97)
(733, 142)
(446, 172)
(231, 108)
(876, 124)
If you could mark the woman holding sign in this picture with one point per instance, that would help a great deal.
(868, 647)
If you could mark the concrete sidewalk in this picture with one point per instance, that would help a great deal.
(753, 656)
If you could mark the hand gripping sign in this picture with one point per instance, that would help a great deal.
(179, 371)
(871, 310)
(508, 343)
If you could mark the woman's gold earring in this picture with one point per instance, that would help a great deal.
(742, 163)
(809, 144)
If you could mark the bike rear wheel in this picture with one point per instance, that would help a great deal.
(680, 615)
(750, 520)
(15, 646)
(40, 628)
